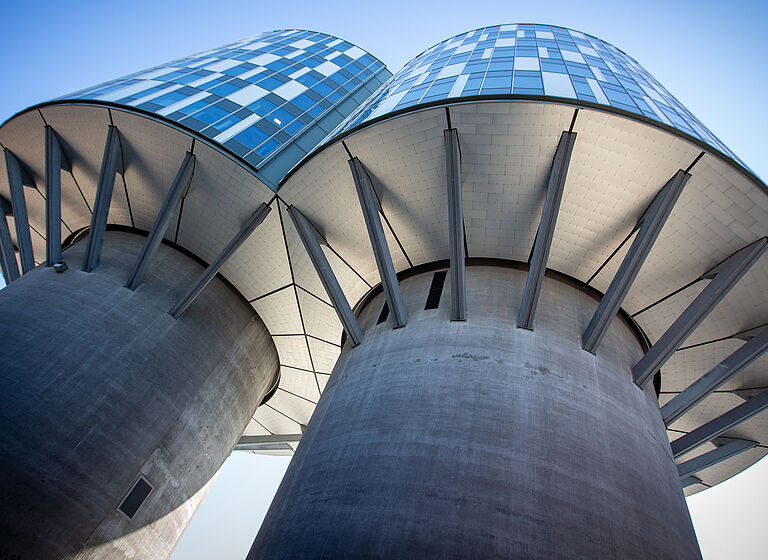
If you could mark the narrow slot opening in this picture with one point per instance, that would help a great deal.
(436, 290)
(384, 313)
(132, 502)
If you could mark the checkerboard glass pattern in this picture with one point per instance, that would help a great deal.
(252, 96)
(531, 60)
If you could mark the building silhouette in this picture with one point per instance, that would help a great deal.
(527, 282)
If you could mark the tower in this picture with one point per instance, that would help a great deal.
(482, 267)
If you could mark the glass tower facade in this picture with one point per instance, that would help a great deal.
(532, 60)
(256, 95)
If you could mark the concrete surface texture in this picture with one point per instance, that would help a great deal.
(102, 385)
(478, 439)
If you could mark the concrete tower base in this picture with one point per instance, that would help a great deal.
(100, 385)
(478, 439)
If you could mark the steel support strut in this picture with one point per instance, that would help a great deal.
(308, 236)
(711, 458)
(719, 425)
(17, 178)
(724, 277)
(546, 231)
(55, 161)
(456, 226)
(178, 190)
(378, 242)
(111, 163)
(650, 225)
(714, 378)
(8, 262)
(256, 218)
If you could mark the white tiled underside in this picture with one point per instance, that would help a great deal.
(507, 148)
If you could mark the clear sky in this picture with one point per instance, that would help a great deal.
(711, 55)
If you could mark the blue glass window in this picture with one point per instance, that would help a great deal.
(211, 114)
(251, 137)
(262, 106)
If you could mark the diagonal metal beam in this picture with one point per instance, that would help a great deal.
(54, 163)
(650, 227)
(711, 458)
(256, 218)
(308, 236)
(546, 231)
(272, 438)
(110, 165)
(178, 190)
(724, 277)
(714, 378)
(456, 226)
(8, 262)
(17, 178)
(719, 425)
(689, 481)
(378, 243)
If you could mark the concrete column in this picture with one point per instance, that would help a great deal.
(478, 439)
(100, 385)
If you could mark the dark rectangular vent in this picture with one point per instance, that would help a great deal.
(384, 313)
(436, 289)
(132, 502)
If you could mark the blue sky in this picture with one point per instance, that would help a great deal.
(711, 55)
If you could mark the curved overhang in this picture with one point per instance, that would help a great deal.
(618, 165)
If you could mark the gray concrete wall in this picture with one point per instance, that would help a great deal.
(100, 384)
(477, 439)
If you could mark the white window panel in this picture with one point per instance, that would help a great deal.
(264, 59)
(247, 95)
(526, 63)
(327, 68)
(205, 79)
(465, 48)
(302, 44)
(598, 91)
(507, 42)
(452, 70)
(388, 104)
(658, 111)
(545, 35)
(300, 72)
(334, 42)
(152, 95)
(598, 74)
(256, 46)
(487, 53)
(354, 53)
(577, 34)
(183, 103)
(290, 90)
(521, 33)
(588, 50)
(573, 56)
(295, 54)
(222, 65)
(509, 28)
(201, 63)
(249, 73)
(484, 36)
(558, 84)
(458, 86)
(159, 72)
(236, 128)
(543, 52)
(652, 93)
(129, 90)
